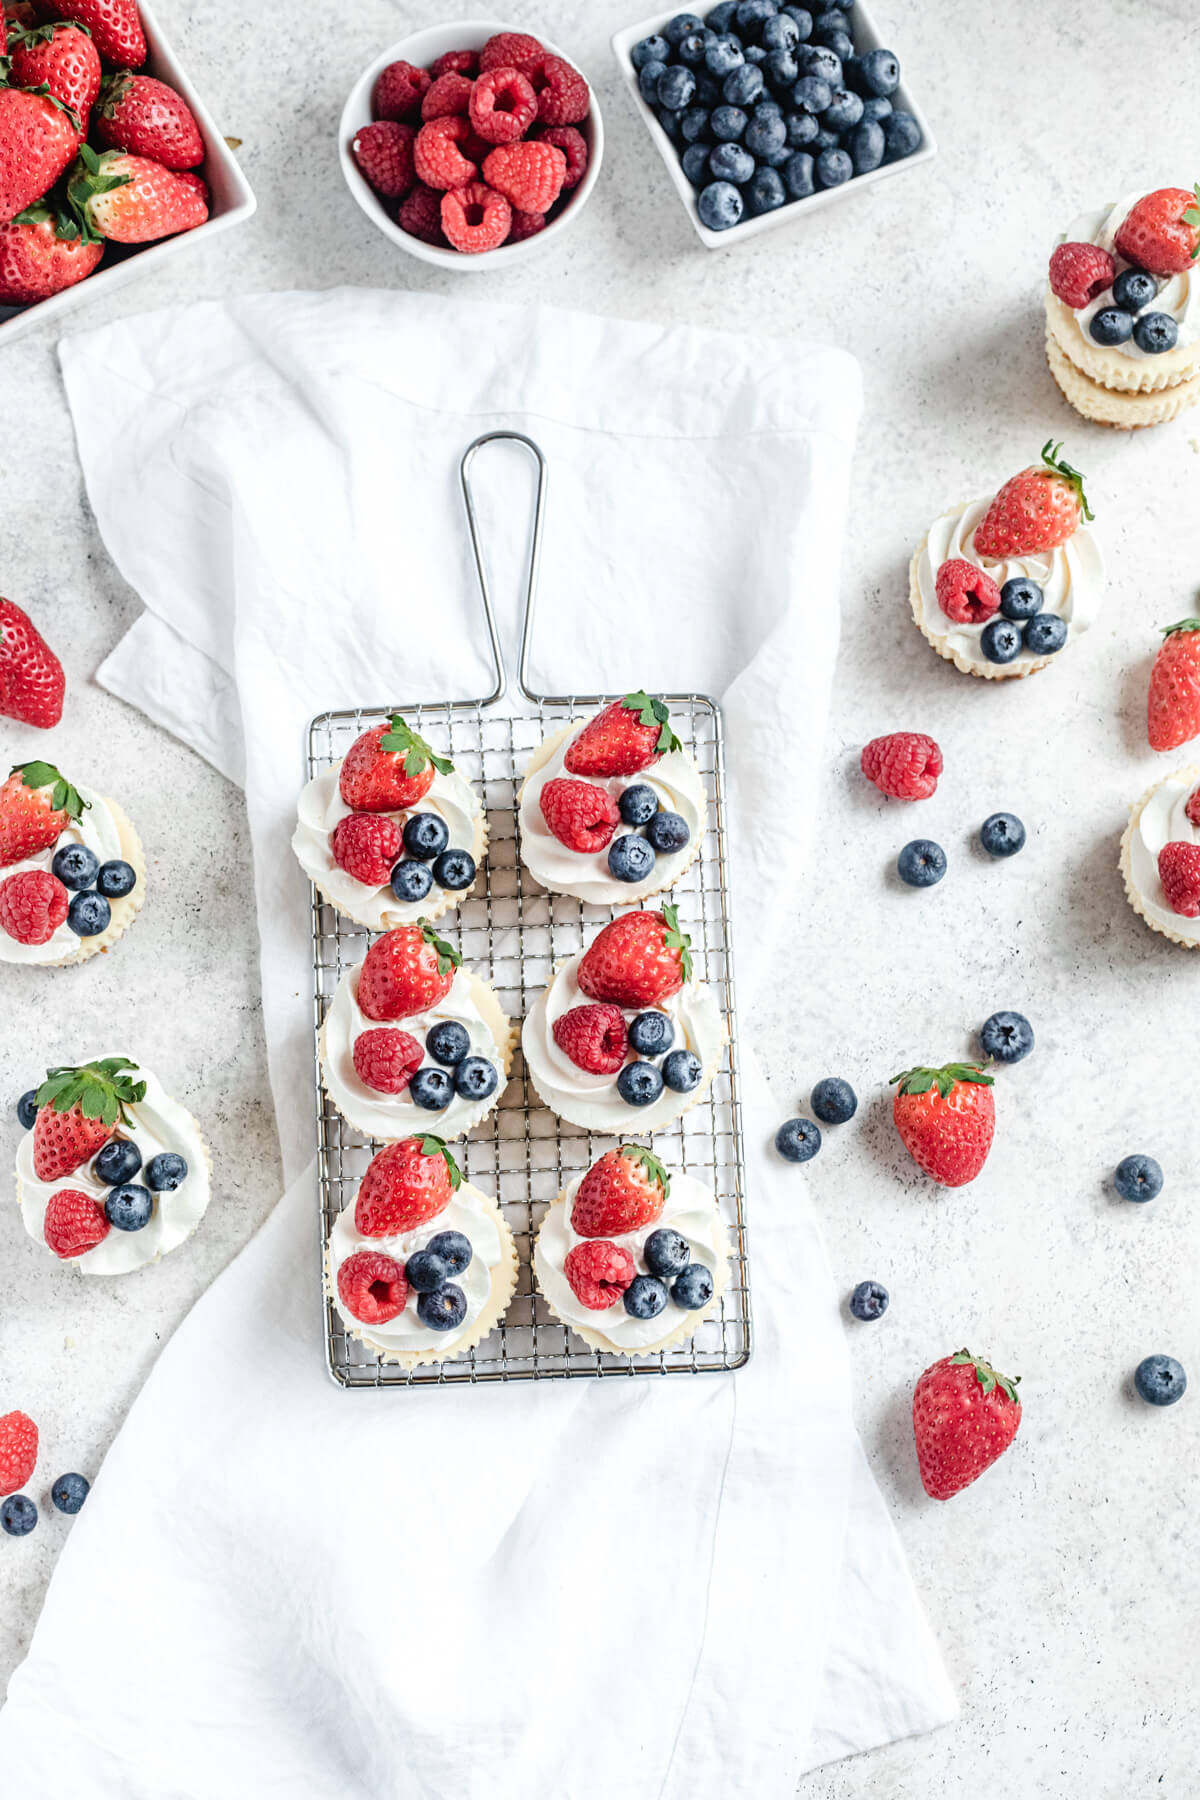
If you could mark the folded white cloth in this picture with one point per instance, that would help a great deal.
(665, 1589)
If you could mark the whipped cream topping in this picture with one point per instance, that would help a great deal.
(98, 829)
(158, 1123)
(1178, 295)
(689, 1209)
(391, 1116)
(1163, 821)
(676, 781)
(470, 1212)
(1071, 579)
(592, 1100)
(321, 807)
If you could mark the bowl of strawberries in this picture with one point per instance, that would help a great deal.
(109, 160)
(471, 144)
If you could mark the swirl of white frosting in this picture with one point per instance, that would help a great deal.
(158, 1123)
(593, 1100)
(1071, 578)
(1163, 821)
(689, 1209)
(98, 830)
(1178, 295)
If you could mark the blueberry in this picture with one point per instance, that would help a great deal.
(723, 57)
(867, 145)
(1007, 1037)
(728, 162)
(842, 46)
(666, 1252)
(1002, 834)
(444, 1310)
(780, 33)
(426, 835)
(743, 87)
(802, 19)
(671, 122)
(1021, 598)
(802, 128)
(901, 134)
(631, 858)
(843, 111)
(754, 53)
(720, 205)
(695, 163)
(1138, 1178)
(651, 1034)
(877, 108)
(1000, 640)
(166, 1171)
(922, 863)
(668, 832)
(1160, 1380)
(454, 1248)
(728, 124)
(692, 49)
(879, 72)
(639, 1084)
(475, 1078)
(676, 85)
(833, 168)
(831, 18)
(89, 914)
(69, 1492)
(693, 1288)
(1155, 332)
(116, 879)
(1111, 326)
(1046, 634)
(432, 1089)
(411, 881)
(682, 1071)
(763, 137)
(118, 1162)
(681, 26)
(1134, 289)
(426, 1271)
(18, 1515)
(75, 866)
(781, 70)
(708, 90)
(834, 1100)
(798, 1140)
(651, 49)
(645, 1297)
(811, 94)
(454, 869)
(448, 1042)
(27, 1109)
(815, 59)
(798, 175)
(129, 1208)
(752, 15)
(722, 16)
(824, 140)
(869, 1300)
(695, 124)
(649, 76)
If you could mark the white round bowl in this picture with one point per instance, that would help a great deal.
(421, 49)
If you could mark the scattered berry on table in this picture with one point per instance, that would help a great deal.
(666, 1252)
(1179, 872)
(1002, 834)
(798, 1140)
(426, 1271)
(639, 1084)
(1173, 712)
(1021, 598)
(1161, 232)
(27, 1109)
(904, 765)
(426, 835)
(834, 1100)
(965, 592)
(475, 1078)
(645, 1297)
(431, 1089)
(1039, 509)
(454, 1248)
(384, 154)
(129, 1208)
(1110, 326)
(116, 879)
(475, 218)
(720, 205)
(1160, 1380)
(448, 1042)
(454, 869)
(668, 833)
(69, 1492)
(386, 1060)
(18, 1515)
(693, 1287)
(1079, 272)
(166, 1171)
(946, 1119)
(598, 1273)
(625, 1190)
(682, 1070)
(76, 867)
(1045, 634)
(74, 1223)
(579, 814)
(411, 881)
(869, 1300)
(366, 845)
(1134, 289)
(1007, 1037)
(117, 1162)
(638, 804)
(1001, 640)
(372, 1287)
(833, 167)
(631, 858)
(921, 863)
(651, 1034)
(530, 176)
(1138, 1178)
(33, 905)
(89, 914)
(18, 1450)
(1155, 333)
(32, 682)
(965, 1415)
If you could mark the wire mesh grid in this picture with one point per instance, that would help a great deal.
(513, 932)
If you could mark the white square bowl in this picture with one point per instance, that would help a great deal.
(866, 37)
(231, 201)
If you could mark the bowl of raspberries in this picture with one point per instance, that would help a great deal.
(470, 144)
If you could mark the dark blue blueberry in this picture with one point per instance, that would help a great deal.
(129, 1208)
(1020, 598)
(922, 863)
(448, 1042)
(454, 1248)
(118, 1162)
(645, 1297)
(825, 140)
(1002, 834)
(756, 54)
(1111, 326)
(649, 76)
(722, 16)
(720, 205)
(75, 866)
(166, 1171)
(834, 1100)
(752, 15)
(681, 26)
(666, 1252)
(1155, 332)
(475, 1078)
(651, 49)
(639, 1084)
(802, 128)
(811, 94)
(877, 108)
(1160, 1380)
(815, 59)
(27, 1109)
(866, 146)
(454, 869)
(798, 1140)
(89, 914)
(671, 122)
(443, 1311)
(798, 175)
(1046, 633)
(682, 1071)
(802, 18)
(69, 1492)
(426, 1271)
(18, 1515)
(695, 163)
(1138, 1178)
(780, 33)
(426, 835)
(728, 162)
(765, 134)
(728, 124)
(878, 73)
(830, 18)
(1134, 289)
(692, 49)
(743, 87)
(676, 87)
(411, 881)
(116, 879)
(844, 110)
(782, 71)
(840, 43)
(695, 125)
(833, 168)
(1007, 1037)
(693, 1288)
(631, 858)
(708, 90)
(432, 1089)
(1000, 640)
(869, 1300)
(901, 134)
(723, 57)
(651, 1034)
(668, 831)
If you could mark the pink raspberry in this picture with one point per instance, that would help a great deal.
(573, 145)
(421, 215)
(579, 814)
(530, 176)
(436, 155)
(399, 91)
(966, 593)
(449, 97)
(512, 50)
(386, 1059)
(1192, 809)
(1179, 872)
(367, 846)
(372, 1287)
(33, 905)
(599, 1272)
(384, 153)
(456, 62)
(503, 106)
(904, 765)
(475, 218)
(563, 94)
(594, 1037)
(18, 1451)
(74, 1223)
(525, 225)
(1078, 272)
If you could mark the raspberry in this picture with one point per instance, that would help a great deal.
(475, 218)
(436, 157)
(399, 91)
(563, 94)
(367, 845)
(1192, 809)
(383, 152)
(1078, 272)
(387, 1060)
(594, 1037)
(372, 1287)
(599, 1272)
(579, 814)
(32, 906)
(966, 593)
(573, 145)
(456, 62)
(905, 765)
(74, 1223)
(525, 225)
(449, 97)
(1179, 872)
(512, 50)
(503, 106)
(421, 215)
(530, 176)
(18, 1451)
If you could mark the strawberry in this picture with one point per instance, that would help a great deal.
(78, 1111)
(148, 118)
(32, 682)
(19, 12)
(389, 768)
(1179, 872)
(366, 845)
(64, 58)
(130, 199)
(627, 736)
(405, 972)
(41, 253)
(74, 1223)
(33, 905)
(594, 1037)
(1162, 232)
(18, 1451)
(579, 814)
(637, 960)
(946, 1118)
(965, 1415)
(598, 1273)
(371, 1287)
(626, 1190)
(405, 1185)
(115, 25)
(36, 806)
(1037, 510)
(1173, 713)
(38, 138)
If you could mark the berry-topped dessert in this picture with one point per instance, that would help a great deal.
(626, 1034)
(631, 1258)
(423, 1265)
(111, 1173)
(413, 1039)
(1123, 309)
(612, 808)
(1001, 584)
(1160, 857)
(392, 833)
(72, 875)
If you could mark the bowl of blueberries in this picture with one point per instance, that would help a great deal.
(763, 111)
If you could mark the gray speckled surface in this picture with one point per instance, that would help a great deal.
(1063, 1587)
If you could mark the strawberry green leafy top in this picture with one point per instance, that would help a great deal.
(1052, 457)
(1183, 625)
(436, 1146)
(1192, 217)
(64, 798)
(408, 743)
(448, 957)
(678, 940)
(653, 712)
(919, 1081)
(988, 1377)
(101, 1090)
(654, 1169)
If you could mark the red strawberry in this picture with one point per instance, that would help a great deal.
(405, 1185)
(371, 1287)
(31, 677)
(33, 905)
(20, 12)
(148, 118)
(1078, 272)
(387, 1060)
(38, 138)
(389, 768)
(41, 253)
(62, 56)
(599, 1273)
(36, 806)
(1179, 872)
(130, 199)
(627, 736)
(530, 176)
(74, 1223)
(579, 814)
(399, 92)
(1162, 232)
(965, 1415)
(367, 845)
(594, 1037)
(946, 1118)
(18, 1451)
(965, 592)
(637, 960)
(115, 26)
(1173, 713)
(905, 765)
(78, 1111)
(626, 1190)
(405, 972)
(1037, 510)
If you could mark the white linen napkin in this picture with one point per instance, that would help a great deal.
(655, 1588)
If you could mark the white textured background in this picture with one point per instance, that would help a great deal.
(1063, 1588)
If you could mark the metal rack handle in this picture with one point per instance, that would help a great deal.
(535, 559)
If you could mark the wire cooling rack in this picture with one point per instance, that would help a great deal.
(513, 932)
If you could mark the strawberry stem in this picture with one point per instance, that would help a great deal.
(676, 939)
(436, 1146)
(101, 1090)
(988, 1377)
(920, 1080)
(448, 957)
(1052, 457)
(654, 1169)
(1183, 625)
(417, 754)
(653, 712)
(64, 798)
